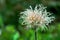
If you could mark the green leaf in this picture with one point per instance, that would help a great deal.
(16, 36)
(10, 28)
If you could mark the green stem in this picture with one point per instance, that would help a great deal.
(35, 34)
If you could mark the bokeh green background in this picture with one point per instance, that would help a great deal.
(10, 25)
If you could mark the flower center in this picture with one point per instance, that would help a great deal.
(32, 17)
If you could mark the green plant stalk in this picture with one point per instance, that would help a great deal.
(35, 34)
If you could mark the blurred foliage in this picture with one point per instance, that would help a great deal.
(11, 29)
(1, 21)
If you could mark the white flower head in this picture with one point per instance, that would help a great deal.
(38, 17)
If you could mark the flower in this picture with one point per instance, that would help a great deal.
(38, 17)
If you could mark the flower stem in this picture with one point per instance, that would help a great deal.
(35, 34)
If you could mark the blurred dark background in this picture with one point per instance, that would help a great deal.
(11, 29)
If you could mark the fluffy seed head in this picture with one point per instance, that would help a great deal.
(38, 17)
